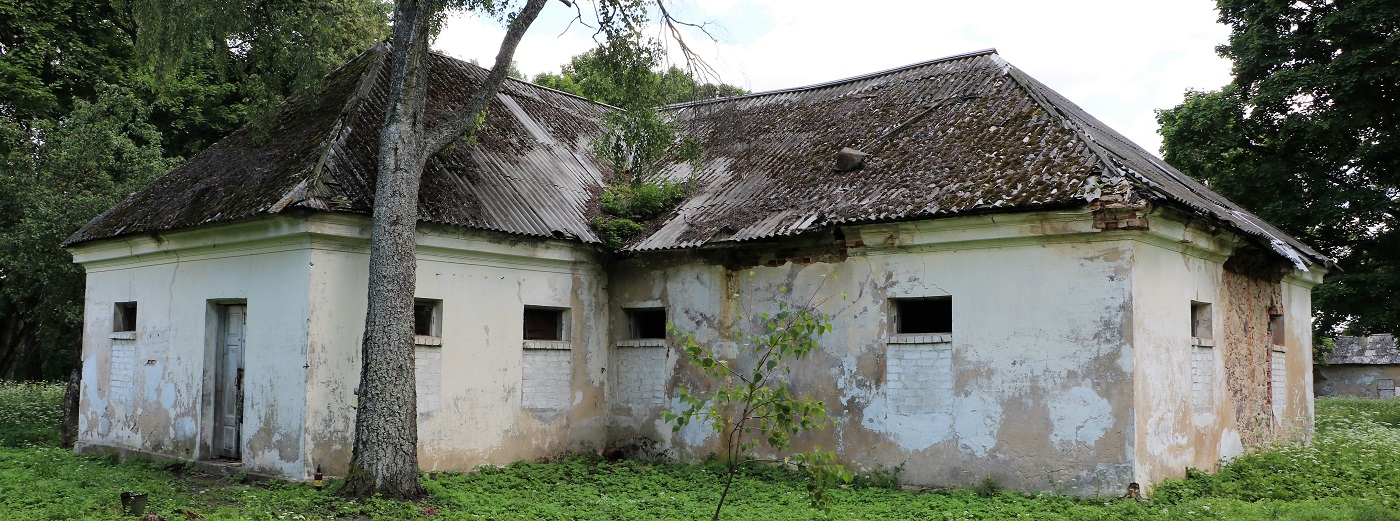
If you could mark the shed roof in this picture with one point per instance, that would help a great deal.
(1364, 350)
(958, 135)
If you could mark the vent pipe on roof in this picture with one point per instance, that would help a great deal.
(849, 159)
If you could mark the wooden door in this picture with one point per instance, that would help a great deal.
(228, 382)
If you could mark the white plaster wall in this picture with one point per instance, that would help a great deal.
(1297, 412)
(1041, 383)
(1171, 436)
(1174, 266)
(171, 379)
(484, 281)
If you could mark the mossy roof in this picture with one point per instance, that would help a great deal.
(960, 135)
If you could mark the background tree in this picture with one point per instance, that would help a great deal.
(627, 71)
(80, 87)
(1306, 136)
(58, 176)
(631, 71)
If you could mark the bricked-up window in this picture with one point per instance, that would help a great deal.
(922, 315)
(427, 317)
(544, 323)
(124, 317)
(646, 323)
(1200, 319)
(1385, 388)
(1202, 379)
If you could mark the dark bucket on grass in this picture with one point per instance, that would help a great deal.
(133, 503)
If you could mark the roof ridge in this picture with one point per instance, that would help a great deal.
(526, 81)
(316, 185)
(833, 83)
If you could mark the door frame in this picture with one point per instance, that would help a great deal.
(215, 311)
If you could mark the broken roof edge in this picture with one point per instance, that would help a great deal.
(833, 83)
(1300, 255)
(829, 223)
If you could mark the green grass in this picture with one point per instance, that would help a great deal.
(1351, 471)
(30, 413)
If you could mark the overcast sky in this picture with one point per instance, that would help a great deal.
(1118, 59)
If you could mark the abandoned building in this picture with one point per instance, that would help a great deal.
(1016, 291)
(1360, 366)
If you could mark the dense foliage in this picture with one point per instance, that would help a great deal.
(627, 207)
(1308, 137)
(620, 71)
(91, 109)
(58, 175)
(1347, 475)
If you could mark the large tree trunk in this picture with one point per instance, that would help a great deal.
(385, 457)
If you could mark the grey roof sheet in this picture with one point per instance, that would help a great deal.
(965, 134)
(529, 173)
(972, 134)
(1364, 350)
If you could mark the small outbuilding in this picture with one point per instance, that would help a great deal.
(1017, 292)
(1360, 366)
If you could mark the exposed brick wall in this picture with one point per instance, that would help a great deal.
(123, 370)
(1202, 378)
(427, 365)
(1245, 347)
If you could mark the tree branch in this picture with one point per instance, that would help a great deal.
(465, 118)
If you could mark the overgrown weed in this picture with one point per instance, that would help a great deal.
(1347, 473)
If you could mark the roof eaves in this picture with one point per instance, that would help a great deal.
(1290, 249)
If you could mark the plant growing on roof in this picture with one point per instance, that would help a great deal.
(638, 141)
(750, 399)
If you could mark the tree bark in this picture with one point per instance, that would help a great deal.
(385, 454)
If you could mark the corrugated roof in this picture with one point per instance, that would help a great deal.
(966, 134)
(958, 135)
(1364, 350)
(529, 173)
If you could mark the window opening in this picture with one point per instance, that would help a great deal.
(1200, 319)
(647, 323)
(923, 315)
(124, 317)
(1276, 329)
(544, 323)
(427, 317)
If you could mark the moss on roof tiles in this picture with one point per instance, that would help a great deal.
(959, 135)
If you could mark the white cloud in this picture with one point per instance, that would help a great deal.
(1119, 60)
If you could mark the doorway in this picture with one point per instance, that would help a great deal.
(228, 381)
